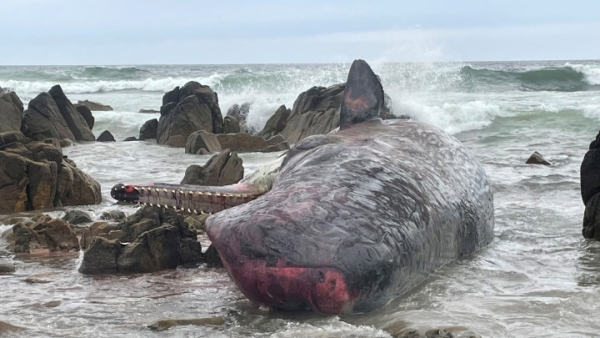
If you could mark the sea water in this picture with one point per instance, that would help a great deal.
(539, 278)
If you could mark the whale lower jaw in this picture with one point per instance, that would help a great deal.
(322, 289)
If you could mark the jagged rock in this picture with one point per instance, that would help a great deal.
(77, 124)
(46, 233)
(94, 106)
(230, 125)
(158, 239)
(101, 229)
(43, 120)
(193, 107)
(212, 258)
(106, 136)
(75, 187)
(240, 114)
(276, 124)
(537, 158)
(77, 217)
(113, 215)
(11, 112)
(165, 324)
(202, 140)
(222, 169)
(148, 130)
(149, 111)
(86, 113)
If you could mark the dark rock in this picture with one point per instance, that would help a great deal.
(165, 324)
(77, 124)
(130, 138)
(53, 142)
(222, 169)
(75, 187)
(65, 143)
(77, 217)
(537, 158)
(6, 268)
(113, 215)
(52, 303)
(148, 130)
(106, 136)
(13, 137)
(590, 171)
(86, 113)
(57, 234)
(101, 229)
(212, 258)
(230, 125)
(13, 183)
(149, 111)
(276, 124)
(202, 140)
(43, 120)
(275, 140)
(94, 106)
(11, 112)
(240, 114)
(101, 257)
(196, 108)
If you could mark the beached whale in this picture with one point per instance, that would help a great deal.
(349, 220)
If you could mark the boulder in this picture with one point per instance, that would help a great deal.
(130, 138)
(276, 124)
(212, 258)
(94, 106)
(230, 125)
(77, 217)
(113, 215)
(590, 171)
(240, 114)
(193, 107)
(537, 158)
(152, 239)
(148, 130)
(222, 169)
(43, 120)
(6, 268)
(13, 183)
(45, 233)
(106, 136)
(12, 137)
(76, 187)
(86, 113)
(11, 112)
(101, 229)
(202, 139)
(77, 124)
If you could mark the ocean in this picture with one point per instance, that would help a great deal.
(539, 277)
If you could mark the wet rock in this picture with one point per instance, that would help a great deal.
(241, 142)
(40, 278)
(75, 187)
(165, 324)
(148, 130)
(202, 140)
(222, 169)
(6, 268)
(43, 120)
(52, 303)
(231, 125)
(77, 217)
(98, 229)
(94, 106)
(276, 123)
(113, 215)
(240, 113)
(149, 111)
(13, 137)
(157, 239)
(193, 107)
(537, 158)
(86, 113)
(65, 143)
(212, 258)
(590, 171)
(11, 111)
(46, 233)
(106, 136)
(196, 222)
(6, 328)
(77, 124)
(130, 138)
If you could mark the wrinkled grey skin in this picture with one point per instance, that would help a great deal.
(384, 203)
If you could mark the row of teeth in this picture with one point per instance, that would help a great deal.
(191, 193)
(175, 208)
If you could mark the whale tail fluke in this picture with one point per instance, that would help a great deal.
(363, 96)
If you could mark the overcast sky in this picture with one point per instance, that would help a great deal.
(279, 31)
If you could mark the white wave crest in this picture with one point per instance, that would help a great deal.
(591, 72)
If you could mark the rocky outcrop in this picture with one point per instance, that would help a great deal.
(51, 115)
(202, 140)
(222, 169)
(100, 229)
(316, 111)
(94, 106)
(276, 124)
(77, 124)
(46, 233)
(86, 113)
(148, 130)
(243, 142)
(152, 239)
(239, 114)
(537, 158)
(186, 110)
(106, 136)
(231, 125)
(11, 112)
(34, 175)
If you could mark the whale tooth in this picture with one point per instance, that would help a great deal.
(165, 190)
(195, 211)
(173, 191)
(189, 210)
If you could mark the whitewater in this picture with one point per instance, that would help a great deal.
(538, 278)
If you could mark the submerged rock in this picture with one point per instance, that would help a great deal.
(148, 130)
(165, 324)
(537, 158)
(77, 217)
(6, 268)
(106, 136)
(45, 233)
(6, 327)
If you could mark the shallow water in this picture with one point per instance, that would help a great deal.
(539, 278)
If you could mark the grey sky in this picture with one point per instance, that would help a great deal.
(270, 31)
